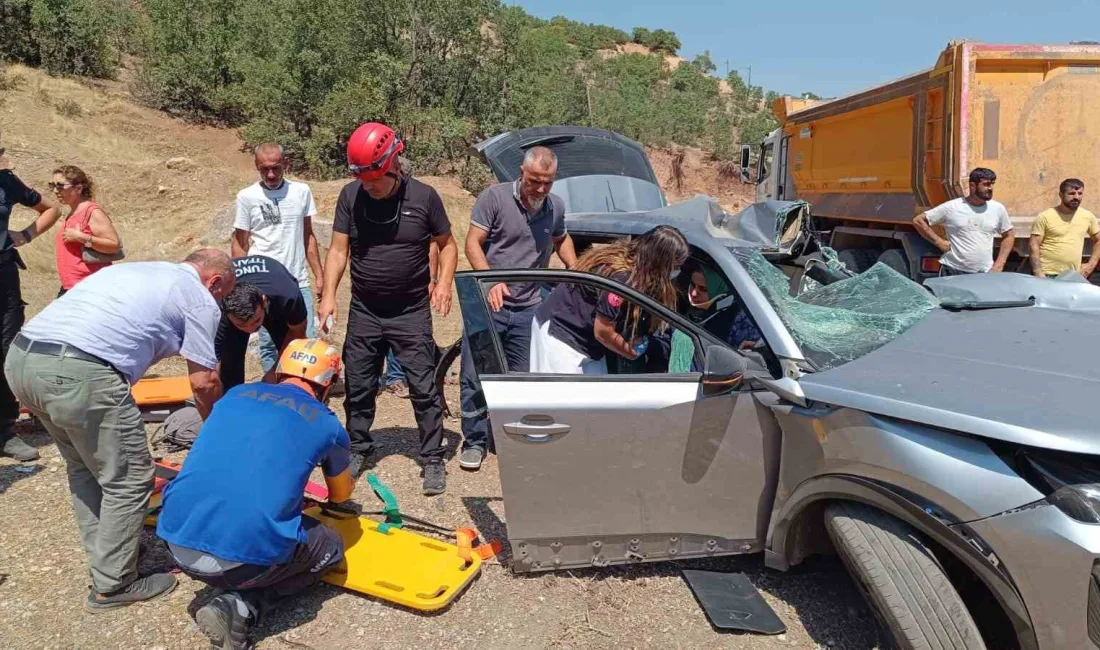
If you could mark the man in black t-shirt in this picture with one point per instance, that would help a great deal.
(385, 223)
(13, 192)
(266, 295)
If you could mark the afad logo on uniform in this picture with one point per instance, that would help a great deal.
(303, 356)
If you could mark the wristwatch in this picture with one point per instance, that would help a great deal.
(88, 241)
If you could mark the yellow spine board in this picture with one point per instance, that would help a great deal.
(399, 566)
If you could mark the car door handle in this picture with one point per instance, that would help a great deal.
(540, 432)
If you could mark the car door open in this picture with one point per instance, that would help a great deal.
(635, 465)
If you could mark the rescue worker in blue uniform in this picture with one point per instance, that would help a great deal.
(233, 516)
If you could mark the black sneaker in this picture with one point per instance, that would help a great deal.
(226, 621)
(147, 588)
(360, 462)
(435, 478)
(17, 449)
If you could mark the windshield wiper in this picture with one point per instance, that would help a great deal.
(974, 305)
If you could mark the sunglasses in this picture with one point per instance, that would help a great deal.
(378, 164)
(57, 187)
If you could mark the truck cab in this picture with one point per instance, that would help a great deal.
(772, 174)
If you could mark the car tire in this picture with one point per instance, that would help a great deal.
(857, 260)
(896, 259)
(901, 579)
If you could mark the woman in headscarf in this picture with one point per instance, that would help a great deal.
(712, 305)
(728, 322)
(576, 326)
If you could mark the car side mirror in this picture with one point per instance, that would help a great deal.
(723, 370)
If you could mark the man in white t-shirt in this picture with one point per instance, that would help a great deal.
(275, 219)
(971, 223)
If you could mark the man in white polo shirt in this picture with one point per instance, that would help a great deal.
(275, 219)
(72, 366)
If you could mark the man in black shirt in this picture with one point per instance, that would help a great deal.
(385, 223)
(266, 295)
(13, 192)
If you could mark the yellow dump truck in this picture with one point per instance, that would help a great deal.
(868, 163)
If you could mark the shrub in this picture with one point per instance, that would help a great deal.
(69, 108)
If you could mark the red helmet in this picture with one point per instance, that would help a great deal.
(372, 150)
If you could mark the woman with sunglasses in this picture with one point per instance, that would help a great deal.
(87, 241)
(13, 192)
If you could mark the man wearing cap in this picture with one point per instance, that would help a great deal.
(385, 223)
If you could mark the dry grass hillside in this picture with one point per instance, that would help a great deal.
(164, 209)
(159, 212)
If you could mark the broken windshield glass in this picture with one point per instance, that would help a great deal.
(844, 320)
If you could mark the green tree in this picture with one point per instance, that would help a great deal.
(704, 63)
(188, 58)
(77, 37)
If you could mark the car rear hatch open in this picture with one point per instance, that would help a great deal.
(598, 171)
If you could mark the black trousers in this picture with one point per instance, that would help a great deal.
(322, 550)
(372, 332)
(11, 321)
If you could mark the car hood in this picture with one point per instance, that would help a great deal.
(1025, 375)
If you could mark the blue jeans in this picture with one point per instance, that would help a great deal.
(269, 350)
(513, 326)
(394, 373)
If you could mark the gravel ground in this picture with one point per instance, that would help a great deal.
(43, 581)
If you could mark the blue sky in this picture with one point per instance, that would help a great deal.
(834, 47)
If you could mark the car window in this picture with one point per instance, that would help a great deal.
(573, 327)
(844, 320)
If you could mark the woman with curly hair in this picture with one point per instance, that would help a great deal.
(577, 325)
(87, 241)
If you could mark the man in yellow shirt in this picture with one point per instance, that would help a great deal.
(1058, 235)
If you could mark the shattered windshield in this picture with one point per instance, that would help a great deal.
(842, 321)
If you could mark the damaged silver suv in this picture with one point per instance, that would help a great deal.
(942, 443)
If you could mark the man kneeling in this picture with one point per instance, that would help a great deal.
(233, 516)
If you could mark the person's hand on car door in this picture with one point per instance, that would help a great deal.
(496, 296)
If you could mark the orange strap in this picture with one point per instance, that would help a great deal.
(466, 538)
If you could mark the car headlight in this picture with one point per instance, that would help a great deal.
(1070, 481)
(1082, 502)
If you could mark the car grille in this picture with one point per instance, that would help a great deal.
(1094, 605)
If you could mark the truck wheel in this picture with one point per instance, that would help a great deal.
(895, 258)
(857, 260)
(901, 579)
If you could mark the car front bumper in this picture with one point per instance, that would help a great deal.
(1054, 561)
